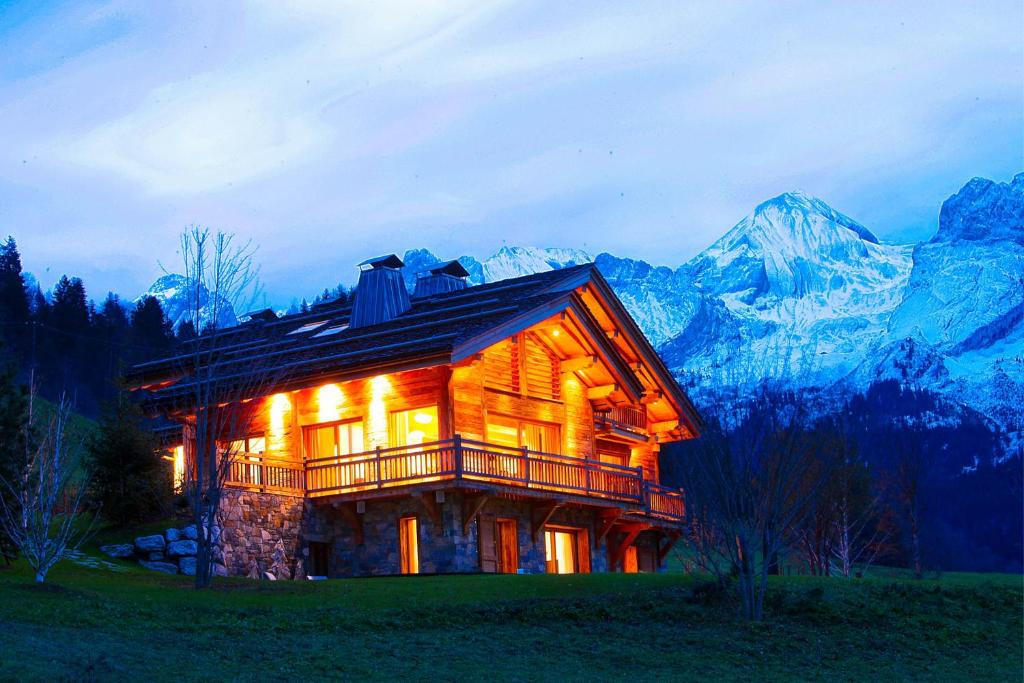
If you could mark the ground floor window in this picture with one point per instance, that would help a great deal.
(567, 550)
(409, 545)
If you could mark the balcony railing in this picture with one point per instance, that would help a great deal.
(463, 460)
(626, 418)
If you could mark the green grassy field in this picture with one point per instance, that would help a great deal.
(89, 624)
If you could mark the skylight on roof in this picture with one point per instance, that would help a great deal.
(332, 330)
(308, 326)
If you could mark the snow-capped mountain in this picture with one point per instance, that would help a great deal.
(173, 293)
(802, 293)
(804, 288)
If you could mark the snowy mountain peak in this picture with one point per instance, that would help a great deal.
(173, 292)
(984, 210)
(509, 262)
(800, 206)
(795, 245)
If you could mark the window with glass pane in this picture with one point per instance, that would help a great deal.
(516, 433)
(325, 441)
(414, 427)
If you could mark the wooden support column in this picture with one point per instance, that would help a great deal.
(608, 520)
(471, 508)
(632, 531)
(670, 540)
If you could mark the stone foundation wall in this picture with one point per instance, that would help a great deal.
(253, 524)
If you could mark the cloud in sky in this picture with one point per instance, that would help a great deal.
(329, 131)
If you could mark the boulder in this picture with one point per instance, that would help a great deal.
(149, 544)
(191, 532)
(172, 535)
(269, 577)
(156, 557)
(180, 548)
(165, 567)
(187, 566)
(300, 570)
(118, 550)
(220, 570)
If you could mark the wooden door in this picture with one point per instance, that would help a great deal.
(487, 548)
(508, 546)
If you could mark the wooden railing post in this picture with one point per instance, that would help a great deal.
(586, 472)
(526, 465)
(457, 453)
(380, 474)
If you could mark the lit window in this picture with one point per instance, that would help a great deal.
(516, 433)
(325, 441)
(414, 427)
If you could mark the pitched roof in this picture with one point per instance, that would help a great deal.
(320, 343)
(304, 347)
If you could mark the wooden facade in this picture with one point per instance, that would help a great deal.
(532, 425)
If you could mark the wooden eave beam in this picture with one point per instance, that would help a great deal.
(664, 426)
(601, 391)
(546, 513)
(574, 364)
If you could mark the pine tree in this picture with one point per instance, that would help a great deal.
(14, 307)
(151, 331)
(129, 479)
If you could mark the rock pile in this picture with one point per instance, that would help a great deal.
(171, 552)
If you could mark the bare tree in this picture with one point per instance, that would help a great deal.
(746, 487)
(847, 524)
(41, 514)
(220, 382)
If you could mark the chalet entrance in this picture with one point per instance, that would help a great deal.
(497, 544)
(566, 550)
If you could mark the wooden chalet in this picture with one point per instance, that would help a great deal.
(507, 427)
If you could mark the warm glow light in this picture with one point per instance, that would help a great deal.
(280, 405)
(329, 398)
(555, 333)
(423, 418)
(179, 469)
(377, 427)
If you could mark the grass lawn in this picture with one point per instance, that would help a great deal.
(93, 624)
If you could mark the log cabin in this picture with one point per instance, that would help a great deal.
(513, 427)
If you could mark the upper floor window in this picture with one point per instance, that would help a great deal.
(523, 365)
(341, 438)
(251, 445)
(516, 433)
(414, 427)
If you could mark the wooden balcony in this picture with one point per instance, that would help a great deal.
(464, 463)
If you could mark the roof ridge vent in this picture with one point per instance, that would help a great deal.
(380, 293)
(439, 279)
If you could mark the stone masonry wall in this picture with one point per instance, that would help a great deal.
(252, 524)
